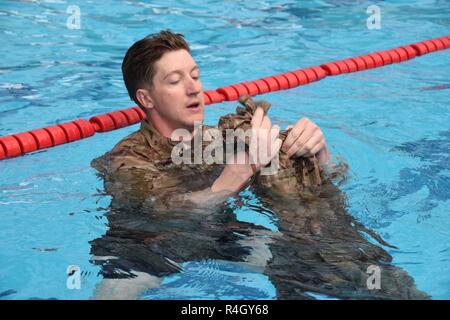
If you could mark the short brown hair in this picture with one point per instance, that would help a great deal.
(138, 65)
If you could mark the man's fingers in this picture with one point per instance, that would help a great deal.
(304, 150)
(294, 134)
(272, 136)
(308, 146)
(257, 118)
(300, 142)
(268, 144)
(318, 147)
(277, 147)
(266, 123)
(297, 145)
(274, 132)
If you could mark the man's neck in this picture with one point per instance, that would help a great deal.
(162, 126)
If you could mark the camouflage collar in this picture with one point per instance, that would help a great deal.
(158, 142)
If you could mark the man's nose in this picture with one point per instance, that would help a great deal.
(194, 87)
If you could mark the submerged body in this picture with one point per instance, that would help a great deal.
(321, 248)
(156, 224)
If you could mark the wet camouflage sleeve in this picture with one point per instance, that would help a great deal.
(137, 175)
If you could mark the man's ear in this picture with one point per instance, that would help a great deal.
(144, 98)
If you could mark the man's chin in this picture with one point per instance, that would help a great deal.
(190, 126)
(195, 118)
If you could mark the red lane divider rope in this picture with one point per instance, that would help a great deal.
(25, 142)
(304, 76)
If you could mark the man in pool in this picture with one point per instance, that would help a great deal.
(162, 77)
(164, 213)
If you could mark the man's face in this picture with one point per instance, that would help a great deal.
(177, 92)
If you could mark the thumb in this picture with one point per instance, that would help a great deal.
(276, 147)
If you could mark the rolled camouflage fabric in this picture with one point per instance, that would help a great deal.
(296, 176)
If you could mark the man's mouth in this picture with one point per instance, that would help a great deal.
(195, 106)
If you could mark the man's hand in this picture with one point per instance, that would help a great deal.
(264, 146)
(305, 139)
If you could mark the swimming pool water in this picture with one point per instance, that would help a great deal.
(391, 125)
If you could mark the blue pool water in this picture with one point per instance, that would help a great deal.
(391, 125)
